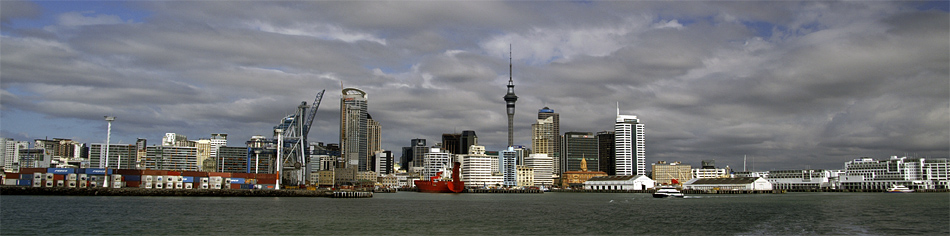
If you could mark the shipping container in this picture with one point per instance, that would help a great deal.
(221, 174)
(179, 185)
(267, 186)
(128, 178)
(24, 182)
(247, 186)
(10, 181)
(159, 185)
(71, 177)
(83, 184)
(242, 175)
(147, 185)
(60, 183)
(169, 179)
(203, 186)
(216, 186)
(265, 176)
(127, 172)
(235, 186)
(11, 175)
(98, 171)
(83, 177)
(187, 179)
(119, 184)
(70, 183)
(48, 176)
(59, 177)
(37, 183)
(154, 172)
(267, 181)
(148, 178)
(61, 171)
(33, 170)
(133, 184)
(203, 180)
(116, 177)
(174, 172)
(159, 178)
(39, 176)
(237, 181)
(26, 176)
(95, 178)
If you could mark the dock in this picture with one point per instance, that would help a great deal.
(66, 191)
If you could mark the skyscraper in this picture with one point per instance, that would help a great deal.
(468, 139)
(353, 128)
(605, 152)
(579, 147)
(544, 113)
(544, 140)
(373, 142)
(630, 153)
(510, 99)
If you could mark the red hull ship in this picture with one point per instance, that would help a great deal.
(436, 185)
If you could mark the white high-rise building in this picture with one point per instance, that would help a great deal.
(477, 168)
(631, 156)
(436, 161)
(508, 168)
(10, 150)
(543, 166)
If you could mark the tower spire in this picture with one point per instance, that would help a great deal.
(510, 99)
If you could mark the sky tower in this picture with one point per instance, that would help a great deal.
(510, 99)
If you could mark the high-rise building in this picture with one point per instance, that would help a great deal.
(435, 161)
(543, 168)
(545, 138)
(605, 152)
(510, 99)
(169, 158)
(217, 140)
(508, 166)
(629, 145)
(452, 143)
(177, 140)
(121, 156)
(11, 153)
(384, 163)
(578, 146)
(353, 129)
(373, 142)
(544, 113)
(467, 140)
(477, 168)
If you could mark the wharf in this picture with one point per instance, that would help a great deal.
(64, 191)
(685, 191)
(503, 191)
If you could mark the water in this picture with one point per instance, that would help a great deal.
(442, 214)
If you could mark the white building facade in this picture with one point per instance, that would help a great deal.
(508, 166)
(629, 144)
(477, 169)
(543, 168)
(620, 182)
(915, 173)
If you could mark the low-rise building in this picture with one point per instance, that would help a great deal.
(622, 182)
(915, 173)
(742, 183)
(525, 176)
(802, 179)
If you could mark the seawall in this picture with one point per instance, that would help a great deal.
(63, 191)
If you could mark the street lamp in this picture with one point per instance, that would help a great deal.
(280, 146)
(108, 134)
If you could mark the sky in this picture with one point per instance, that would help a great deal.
(788, 84)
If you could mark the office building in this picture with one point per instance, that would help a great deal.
(508, 167)
(605, 152)
(543, 166)
(629, 145)
(664, 173)
(545, 113)
(168, 158)
(373, 142)
(577, 146)
(477, 169)
(354, 129)
(121, 156)
(435, 161)
(544, 138)
(11, 153)
(914, 173)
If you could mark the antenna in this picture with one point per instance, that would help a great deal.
(509, 64)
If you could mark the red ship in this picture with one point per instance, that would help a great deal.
(436, 184)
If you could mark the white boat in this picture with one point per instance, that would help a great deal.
(665, 192)
(899, 189)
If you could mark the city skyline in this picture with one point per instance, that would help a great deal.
(788, 84)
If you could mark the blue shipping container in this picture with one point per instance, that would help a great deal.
(132, 177)
(61, 171)
(98, 171)
(24, 182)
(188, 179)
(26, 176)
(237, 180)
(247, 186)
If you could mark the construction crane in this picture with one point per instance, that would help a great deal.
(293, 131)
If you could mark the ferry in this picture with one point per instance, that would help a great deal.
(899, 189)
(667, 191)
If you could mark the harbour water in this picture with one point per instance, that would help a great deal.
(444, 214)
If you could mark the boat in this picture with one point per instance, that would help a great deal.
(899, 189)
(665, 192)
(438, 184)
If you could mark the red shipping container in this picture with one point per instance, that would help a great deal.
(133, 184)
(59, 177)
(194, 173)
(154, 172)
(222, 174)
(174, 173)
(243, 175)
(11, 175)
(32, 170)
(265, 176)
(267, 181)
(128, 172)
(235, 186)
